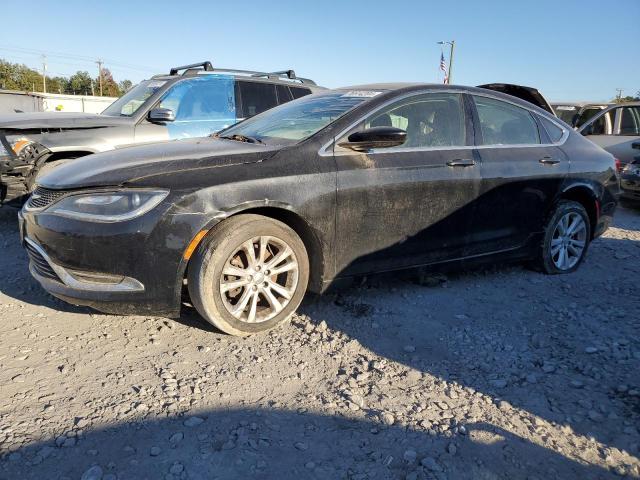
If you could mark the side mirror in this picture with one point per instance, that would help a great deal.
(375, 137)
(161, 115)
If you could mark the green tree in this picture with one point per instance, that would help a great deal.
(125, 86)
(80, 83)
(109, 86)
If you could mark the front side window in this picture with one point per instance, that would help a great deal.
(430, 120)
(503, 123)
(630, 121)
(297, 120)
(202, 98)
(603, 125)
(587, 114)
(257, 97)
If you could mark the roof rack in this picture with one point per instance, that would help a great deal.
(196, 68)
(206, 66)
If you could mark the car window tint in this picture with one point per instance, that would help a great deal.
(502, 123)
(554, 131)
(257, 97)
(299, 92)
(203, 98)
(603, 125)
(630, 121)
(284, 95)
(430, 120)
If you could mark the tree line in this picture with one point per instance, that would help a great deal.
(15, 76)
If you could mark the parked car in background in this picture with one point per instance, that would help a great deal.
(528, 94)
(616, 129)
(196, 103)
(630, 177)
(577, 114)
(344, 182)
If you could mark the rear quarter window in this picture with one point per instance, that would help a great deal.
(555, 132)
(299, 92)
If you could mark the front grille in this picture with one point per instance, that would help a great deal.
(40, 265)
(43, 197)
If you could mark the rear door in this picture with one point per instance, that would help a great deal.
(522, 171)
(616, 130)
(410, 205)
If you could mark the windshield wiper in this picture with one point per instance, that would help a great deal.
(239, 138)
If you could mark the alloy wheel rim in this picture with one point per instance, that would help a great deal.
(568, 241)
(259, 279)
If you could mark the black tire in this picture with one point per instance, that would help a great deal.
(215, 254)
(545, 258)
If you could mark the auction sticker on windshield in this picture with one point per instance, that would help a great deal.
(361, 93)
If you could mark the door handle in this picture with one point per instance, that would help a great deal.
(461, 162)
(549, 161)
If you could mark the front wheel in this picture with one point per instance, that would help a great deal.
(249, 275)
(566, 239)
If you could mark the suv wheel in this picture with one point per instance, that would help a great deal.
(249, 275)
(566, 238)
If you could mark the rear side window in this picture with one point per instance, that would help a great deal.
(630, 121)
(554, 131)
(299, 92)
(503, 123)
(284, 95)
(257, 97)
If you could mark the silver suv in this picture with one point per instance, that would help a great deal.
(197, 102)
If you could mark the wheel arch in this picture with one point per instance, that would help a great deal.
(295, 221)
(588, 198)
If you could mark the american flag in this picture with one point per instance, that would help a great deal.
(443, 67)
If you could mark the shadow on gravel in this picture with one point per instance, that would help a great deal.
(272, 444)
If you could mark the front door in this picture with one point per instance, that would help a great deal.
(409, 205)
(619, 137)
(202, 105)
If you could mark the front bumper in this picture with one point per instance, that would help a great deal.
(132, 267)
(630, 186)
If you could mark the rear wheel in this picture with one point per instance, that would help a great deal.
(249, 275)
(566, 239)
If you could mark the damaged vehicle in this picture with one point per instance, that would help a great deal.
(195, 103)
(341, 183)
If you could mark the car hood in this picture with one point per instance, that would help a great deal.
(44, 120)
(528, 94)
(135, 164)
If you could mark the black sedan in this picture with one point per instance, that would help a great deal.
(346, 182)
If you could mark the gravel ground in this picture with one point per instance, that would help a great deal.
(499, 373)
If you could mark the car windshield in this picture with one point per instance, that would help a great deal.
(131, 101)
(297, 120)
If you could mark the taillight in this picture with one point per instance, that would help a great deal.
(618, 164)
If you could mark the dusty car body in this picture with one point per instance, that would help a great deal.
(347, 182)
(198, 102)
(617, 130)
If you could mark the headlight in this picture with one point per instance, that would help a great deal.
(20, 145)
(108, 206)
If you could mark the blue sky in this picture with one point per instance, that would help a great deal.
(569, 49)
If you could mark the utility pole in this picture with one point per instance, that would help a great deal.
(44, 73)
(619, 96)
(452, 45)
(100, 62)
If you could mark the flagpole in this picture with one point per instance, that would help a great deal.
(453, 44)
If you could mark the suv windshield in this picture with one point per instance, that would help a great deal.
(131, 101)
(297, 120)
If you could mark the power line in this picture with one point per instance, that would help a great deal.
(32, 51)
